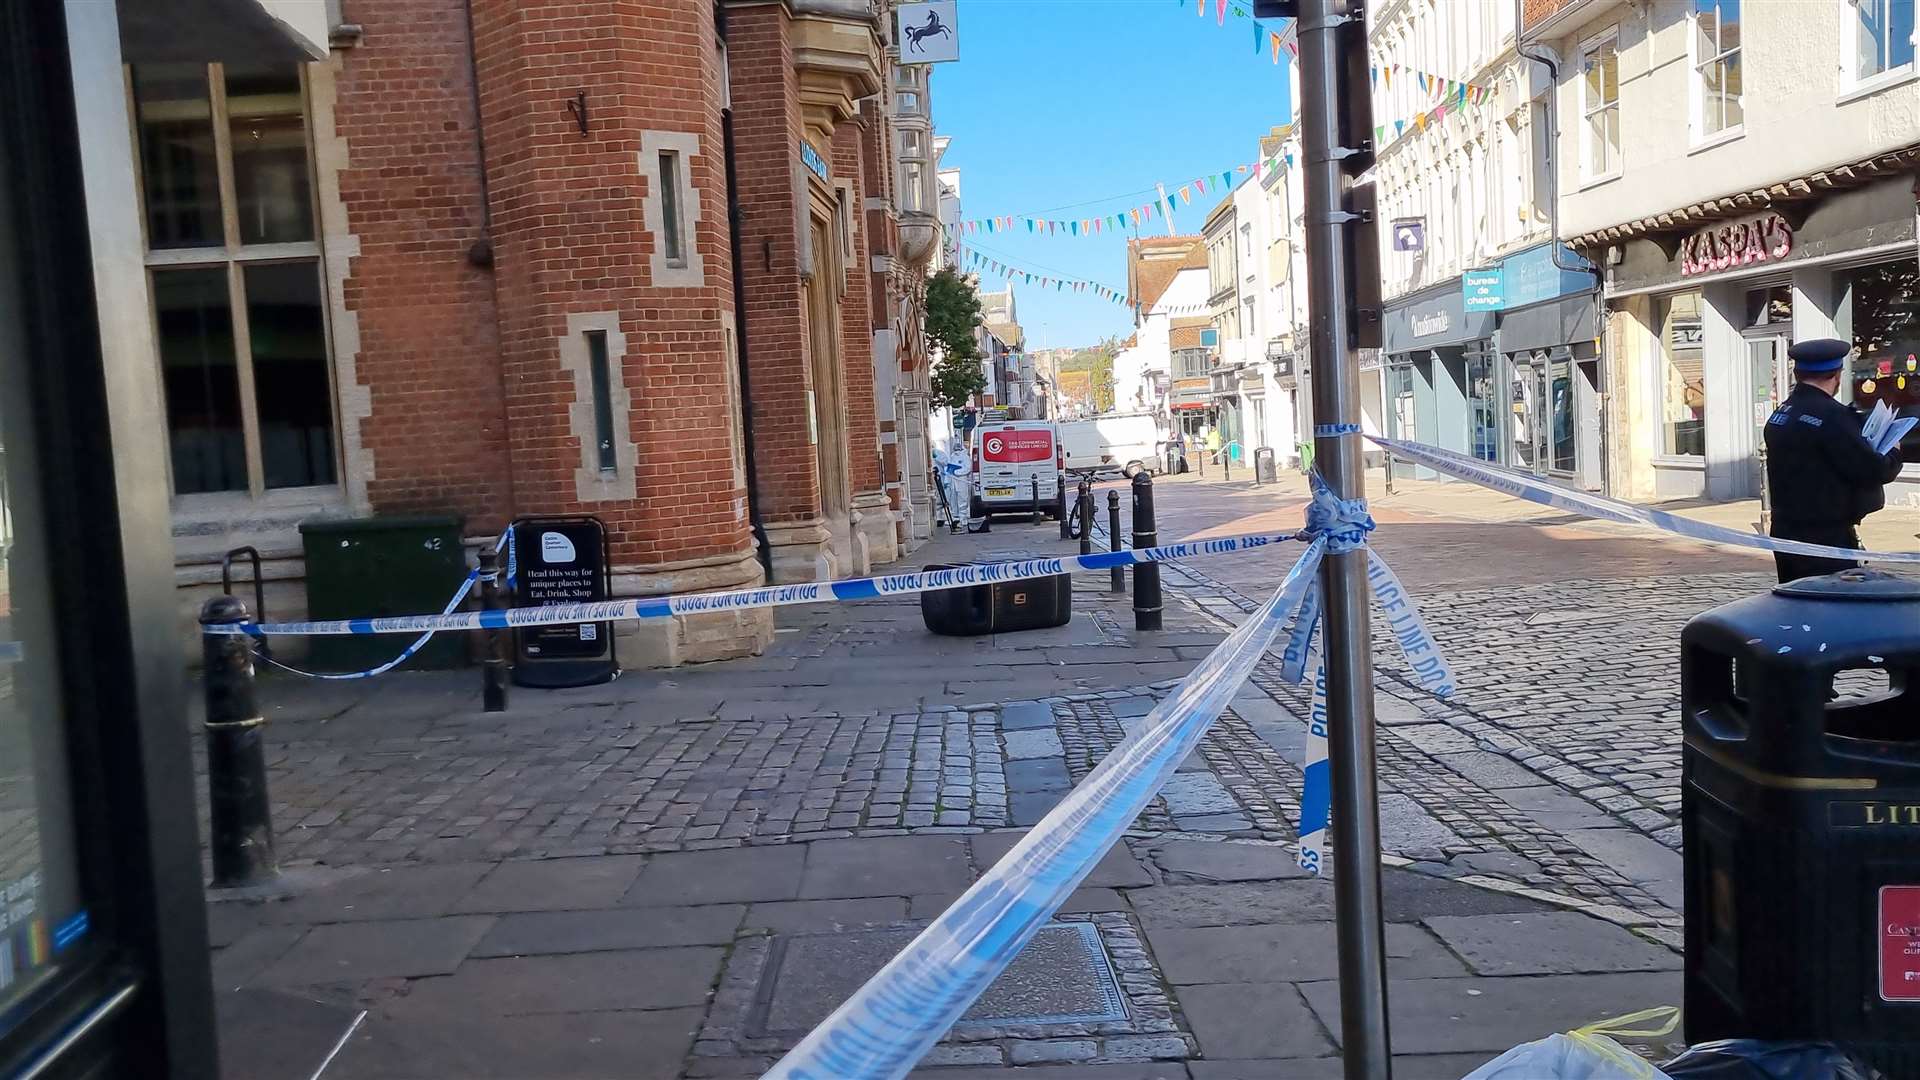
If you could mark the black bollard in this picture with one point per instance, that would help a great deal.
(1113, 539)
(493, 685)
(1146, 575)
(240, 813)
(1226, 464)
(1083, 506)
(1036, 500)
(1060, 511)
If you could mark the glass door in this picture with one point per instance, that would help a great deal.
(1559, 398)
(1771, 380)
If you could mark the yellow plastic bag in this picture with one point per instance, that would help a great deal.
(1586, 1053)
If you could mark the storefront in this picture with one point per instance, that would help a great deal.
(1548, 370)
(1438, 356)
(1717, 304)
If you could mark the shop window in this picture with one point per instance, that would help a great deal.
(1600, 108)
(1880, 36)
(1883, 303)
(1770, 306)
(239, 308)
(1683, 397)
(1716, 67)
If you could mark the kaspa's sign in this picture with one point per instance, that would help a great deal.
(927, 32)
(1740, 243)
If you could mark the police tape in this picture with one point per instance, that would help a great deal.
(459, 597)
(1587, 504)
(892, 1020)
(663, 607)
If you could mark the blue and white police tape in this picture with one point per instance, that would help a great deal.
(459, 597)
(891, 1021)
(1586, 504)
(663, 607)
(1345, 524)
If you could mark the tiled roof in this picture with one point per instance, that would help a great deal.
(1153, 263)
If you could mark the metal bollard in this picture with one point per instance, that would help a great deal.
(493, 685)
(1036, 500)
(1113, 539)
(1226, 464)
(1146, 575)
(237, 803)
(1060, 510)
(1083, 506)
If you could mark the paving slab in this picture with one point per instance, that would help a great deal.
(1548, 943)
(1294, 953)
(1493, 1015)
(393, 892)
(243, 961)
(1411, 896)
(1157, 1070)
(1253, 1020)
(228, 922)
(1639, 857)
(582, 982)
(1025, 715)
(1195, 794)
(1557, 809)
(550, 933)
(731, 875)
(821, 916)
(1117, 869)
(1038, 774)
(1236, 904)
(1491, 771)
(1038, 743)
(633, 1045)
(275, 1035)
(1405, 1067)
(553, 884)
(1200, 862)
(930, 905)
(1028, 807)
(1407, 829)
(1132, 708)
(358, 951)
(885, 866)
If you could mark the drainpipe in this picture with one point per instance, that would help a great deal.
(1542, 55)
(735, 219)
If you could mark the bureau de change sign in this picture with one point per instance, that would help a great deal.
(562, 560)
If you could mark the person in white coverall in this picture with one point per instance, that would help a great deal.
(957, 482)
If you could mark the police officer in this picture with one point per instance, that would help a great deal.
(1823, 474)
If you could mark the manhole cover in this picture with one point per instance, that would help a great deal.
(1061, 977)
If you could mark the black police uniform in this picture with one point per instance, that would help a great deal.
(1823, 475)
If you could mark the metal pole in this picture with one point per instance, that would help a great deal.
(239, 812)
(1113, 539)
(1036, 499)
(1343, 577)
(1083, 507)
(1146, 576)
(493, 686)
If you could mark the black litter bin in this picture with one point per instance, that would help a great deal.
(1801, 816)
(999, 607)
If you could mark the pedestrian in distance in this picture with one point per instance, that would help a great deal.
(1824, 475)
(1213, 445)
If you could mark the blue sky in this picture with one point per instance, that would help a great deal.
(1076, 108)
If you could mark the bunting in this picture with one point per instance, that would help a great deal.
(1445, 94)
(1092, 226)
(971, 259)
(1264, 40)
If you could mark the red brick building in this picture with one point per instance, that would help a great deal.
(648, 261)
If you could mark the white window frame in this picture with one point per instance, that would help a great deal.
(1699, 138)
(233, 256)
(1592, 45)
(1852, 86)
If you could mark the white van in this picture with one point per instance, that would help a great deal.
(1126, 442)
(1008, 456)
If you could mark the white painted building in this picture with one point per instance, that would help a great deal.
(1488, 326)
(1744, 172)
(1167, 278)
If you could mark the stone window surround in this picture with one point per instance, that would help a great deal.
(691, 271)
(592, 484)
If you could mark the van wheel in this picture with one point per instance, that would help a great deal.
(1132, 470)
(976, 509)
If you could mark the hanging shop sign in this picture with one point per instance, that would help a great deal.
(1766, 238)
(929, 33)
(1483, 290)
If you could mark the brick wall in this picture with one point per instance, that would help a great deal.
(766, 129)
(1535, 12)
(856, 327)
(570, 238)
(437, 433)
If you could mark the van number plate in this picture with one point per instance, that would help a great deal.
(999, 491)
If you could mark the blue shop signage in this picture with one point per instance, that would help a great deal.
(1531, 276)
(815, 163)
(1483, 290)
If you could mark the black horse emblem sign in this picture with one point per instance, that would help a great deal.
(932, 28)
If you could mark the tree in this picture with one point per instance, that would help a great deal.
(1097, 361)
(953, 317)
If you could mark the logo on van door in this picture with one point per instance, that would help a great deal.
(1015, 447)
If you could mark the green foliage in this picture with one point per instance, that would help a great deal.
(953, 315)
(1098, 363)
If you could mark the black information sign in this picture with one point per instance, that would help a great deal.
(562, 560)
